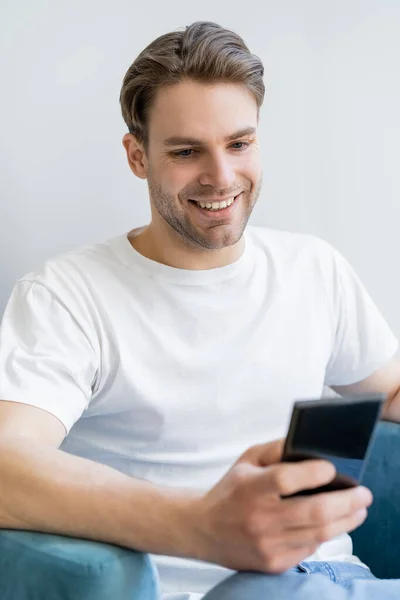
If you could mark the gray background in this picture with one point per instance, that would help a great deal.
(330, 125)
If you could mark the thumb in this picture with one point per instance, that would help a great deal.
(263, 455)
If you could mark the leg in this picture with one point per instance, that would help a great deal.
(321, 583)
(38, 566)
(290, 585)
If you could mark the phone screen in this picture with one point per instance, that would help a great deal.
(337, 429)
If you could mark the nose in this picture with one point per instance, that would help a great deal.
(219, 173)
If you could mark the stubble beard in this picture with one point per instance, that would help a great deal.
(165, 205)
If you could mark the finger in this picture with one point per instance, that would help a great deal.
(323, 508)
(271, 453)
(306, 536)
(288, 478)
(263, 455)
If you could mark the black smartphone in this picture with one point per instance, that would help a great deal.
(338, 429)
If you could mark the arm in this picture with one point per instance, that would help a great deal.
(49, 354)
(386, 381)
(241, 523)
(46, 489)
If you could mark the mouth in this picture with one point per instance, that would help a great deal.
(209, 206)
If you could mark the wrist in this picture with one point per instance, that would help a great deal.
(191, 525)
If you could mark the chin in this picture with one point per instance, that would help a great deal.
(224, 241)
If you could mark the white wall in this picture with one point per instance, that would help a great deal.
(330, 126)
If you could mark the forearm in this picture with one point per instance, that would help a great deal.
(45, 489)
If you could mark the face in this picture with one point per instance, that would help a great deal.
(203, 161)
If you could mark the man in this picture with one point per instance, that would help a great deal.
(144, 379)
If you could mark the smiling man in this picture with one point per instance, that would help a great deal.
(161, 365)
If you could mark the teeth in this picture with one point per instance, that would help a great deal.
(216, 205)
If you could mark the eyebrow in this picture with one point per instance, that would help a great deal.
(189, 141)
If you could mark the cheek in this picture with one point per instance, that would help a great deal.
(180, 177)
(255, 167)
(169, 179)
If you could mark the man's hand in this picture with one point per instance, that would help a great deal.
(243, 523)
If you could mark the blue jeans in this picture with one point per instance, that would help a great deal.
(308, 581)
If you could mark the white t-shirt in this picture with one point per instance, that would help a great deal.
(169, 375)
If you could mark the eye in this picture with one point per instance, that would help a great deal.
(240, 145)
(183, 153)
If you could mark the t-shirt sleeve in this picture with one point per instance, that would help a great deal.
(363, 341)
(46, 360)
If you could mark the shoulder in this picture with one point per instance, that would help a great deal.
(73, 268)
(70, 279)
(292, 247)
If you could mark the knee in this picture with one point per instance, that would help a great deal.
(42, 564)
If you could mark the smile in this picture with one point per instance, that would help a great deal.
(215, 206)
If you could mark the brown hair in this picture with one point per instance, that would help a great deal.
(204, 52)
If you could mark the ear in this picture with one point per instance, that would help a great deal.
(136, 155)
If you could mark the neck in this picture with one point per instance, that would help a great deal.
(168, 248)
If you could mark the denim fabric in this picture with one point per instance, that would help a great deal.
(38, 566)
(376, 542)
(308, 581)
(341, 573)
